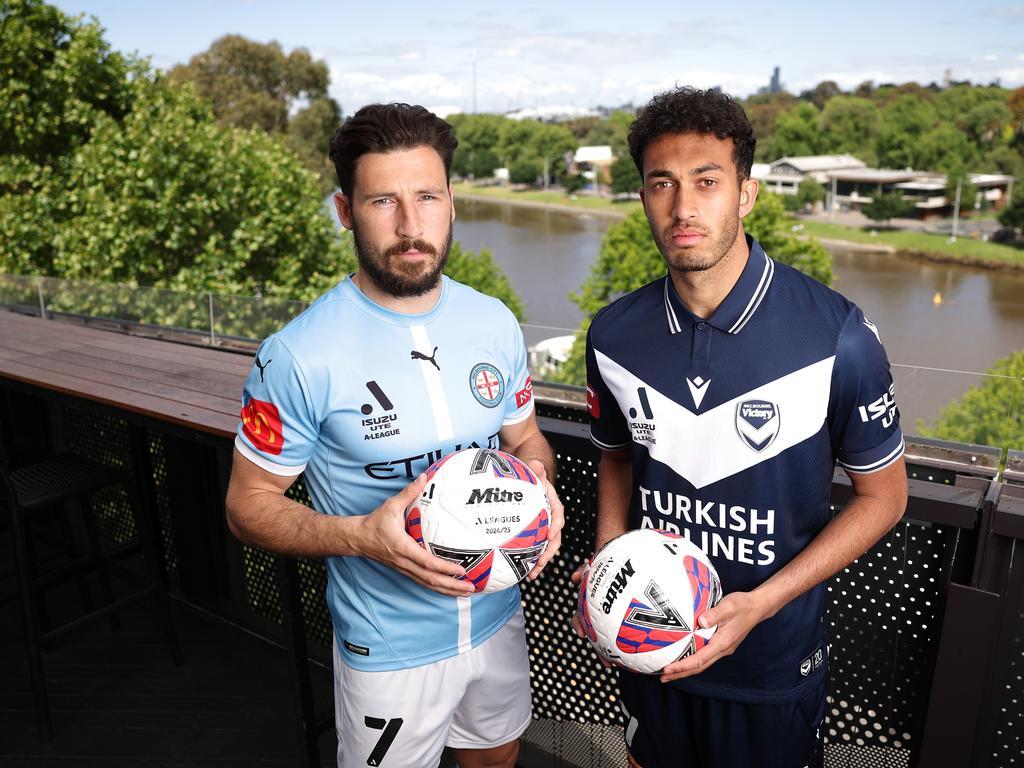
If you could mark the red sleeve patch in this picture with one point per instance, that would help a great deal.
(524, 395)
(593, 403)
(261, 423)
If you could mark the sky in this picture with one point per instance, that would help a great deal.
(529, 54)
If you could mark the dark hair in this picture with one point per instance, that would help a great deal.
(690, 110)
(386, 128)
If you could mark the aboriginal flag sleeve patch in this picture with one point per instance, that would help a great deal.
(261, 424)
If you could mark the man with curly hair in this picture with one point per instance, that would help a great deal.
(722, 395)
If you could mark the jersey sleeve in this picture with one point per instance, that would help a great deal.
(608, 427)
(865, 426)
(519, 396)
(278, 427)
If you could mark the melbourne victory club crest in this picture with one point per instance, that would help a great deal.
(487, 384)
(757, 422)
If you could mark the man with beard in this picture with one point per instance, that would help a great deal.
(721, 396)
(389, 371)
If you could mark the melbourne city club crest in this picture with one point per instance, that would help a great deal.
(487, 385)
(757, 422)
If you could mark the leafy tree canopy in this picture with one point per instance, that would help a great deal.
(991, 413)
(258, 85)
(889, 205)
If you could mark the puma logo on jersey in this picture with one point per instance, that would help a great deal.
(420, 356)
(262, 366)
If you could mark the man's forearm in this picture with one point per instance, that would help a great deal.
(851, 533)
(535, 447)
(614, 491)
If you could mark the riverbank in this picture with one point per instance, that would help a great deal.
(918, 245)
(581, 205)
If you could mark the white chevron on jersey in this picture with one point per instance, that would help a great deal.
(705, 448)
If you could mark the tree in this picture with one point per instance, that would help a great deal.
(629, 259)
(477, 153)
(59, 77)
(849, 124)
(169, 198)
(1013, 214)
(796, 131)
(254, 85)
(822, 93)
(480, 271)
(625, 176)
(987, 414)
(886, 206)
(525, 170)
(807, 194)
(257, 85)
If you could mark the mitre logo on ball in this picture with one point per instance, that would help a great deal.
(641, 598)
(486, 511)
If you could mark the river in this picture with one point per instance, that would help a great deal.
(943, 325)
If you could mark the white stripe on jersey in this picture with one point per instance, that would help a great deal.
(877, 465)
(670, 312)
(465, 623)
(432, 381)
(759, 294)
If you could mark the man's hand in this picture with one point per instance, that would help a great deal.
(736, 615)
(382, 537)
(555, 524)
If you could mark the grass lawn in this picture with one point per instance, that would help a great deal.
(554, 197)
(964, 249)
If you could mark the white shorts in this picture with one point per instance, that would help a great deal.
(404, 718)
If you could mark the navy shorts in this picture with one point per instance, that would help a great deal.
(667, 727)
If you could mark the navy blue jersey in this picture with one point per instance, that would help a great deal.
(736, 423)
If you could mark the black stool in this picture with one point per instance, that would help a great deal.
(43, 489)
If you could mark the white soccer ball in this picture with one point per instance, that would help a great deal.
(641, 597)
(486, 511)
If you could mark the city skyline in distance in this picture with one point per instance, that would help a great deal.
(585, 55)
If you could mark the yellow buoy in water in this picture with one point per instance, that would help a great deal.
(937, 299)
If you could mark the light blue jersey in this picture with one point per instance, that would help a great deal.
(364, 399)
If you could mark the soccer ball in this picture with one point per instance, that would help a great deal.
(641, 596)
(486, 511)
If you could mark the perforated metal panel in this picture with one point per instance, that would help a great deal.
(104, 439)
(1008, 728)
(884, 620)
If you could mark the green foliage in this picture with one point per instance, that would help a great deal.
(480, 271)
(796, 131)
(625, 176)
(57, 78)
(807, 194)
(476, 156)
(629, 259)
(889, 205)
(1013, 214)
(525, 170)
(256, 85)
(573, 183)
(849, 124)
(253, 85)
(169, 198)
(991, 413)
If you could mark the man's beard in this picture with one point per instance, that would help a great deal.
(404, 280)
(694, 261)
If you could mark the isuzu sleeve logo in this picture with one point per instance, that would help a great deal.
(757, 422)
(261, 423)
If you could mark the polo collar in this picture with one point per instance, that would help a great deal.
(738, 306)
